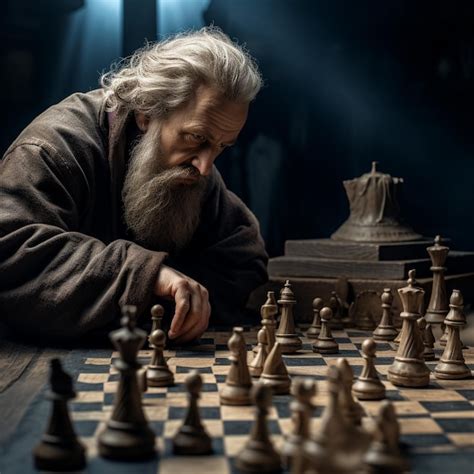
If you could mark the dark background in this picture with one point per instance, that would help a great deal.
(347, 82)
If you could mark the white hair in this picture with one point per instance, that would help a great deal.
(160, 77)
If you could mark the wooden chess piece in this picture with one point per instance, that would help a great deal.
(275, 373)
(286, 334)
(452, 365)
(368, 386)
(444, 337)
(386, 331)
(315, 328)
(438, 305)
(192, 438)
(342, 288)
(127, 435)
(409, 368)
(268, 312)
(236, 390)
(303, 390)
(325, 343)
(383, 455)
(259, 455)
(158, 374)
(351, 410)
(335, 305)
(59, 449)
(258, 361)
(427, 338)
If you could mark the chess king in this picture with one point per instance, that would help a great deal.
(112, 197)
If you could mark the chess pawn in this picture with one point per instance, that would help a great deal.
(325, 343)
(192, 439)
(386, 331)
(368, 386)
(258, 361)
(335, 305)
(274, 372)
(409, 368)
(127, 435)
(452, 365)
(59, 449)
(351, 410)
(438, 305)
(157, 312)
(259, 455)
(383, 455)
(315, 328)
(427, 338)
(286, 334)
(303, 390)
(158, 373)
(268, 312)
(236, 390)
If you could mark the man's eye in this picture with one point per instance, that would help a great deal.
(198, 138)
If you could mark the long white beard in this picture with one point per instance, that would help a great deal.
(161, 213)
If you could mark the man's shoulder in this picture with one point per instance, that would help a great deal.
(77, 122)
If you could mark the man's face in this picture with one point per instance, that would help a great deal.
(199, 131)
(166, 179)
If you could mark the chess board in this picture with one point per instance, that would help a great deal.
(437, 422)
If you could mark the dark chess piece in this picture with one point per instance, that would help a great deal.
(342, 290)
(386, 331)
(315, 328)
(158, 373)
(192, 438)
(335, 305)
(286, 334)
(238, 383)
(127, 435)
(427, 338)
(438, 305)
(409, 368)
(451, 364)
(274, 373)
(303, 390)
(259, 455)
(383, 455)
(258, 361)
(59, 449)
(368, 386)
(325, 343)
(351, 410)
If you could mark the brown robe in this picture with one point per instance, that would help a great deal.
(66, 260)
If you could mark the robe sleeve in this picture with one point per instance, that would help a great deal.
(57, 283)
(229, 256)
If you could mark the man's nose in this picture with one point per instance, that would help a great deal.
(203, 162)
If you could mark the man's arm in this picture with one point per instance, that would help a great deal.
(56, 282)
(228, 255)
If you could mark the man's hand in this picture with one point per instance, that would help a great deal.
(191, 316)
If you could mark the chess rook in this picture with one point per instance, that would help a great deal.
(409, 368)
(315, 328)
(59, 449)
(438, 305)
(452, 365)
(286, 334)
(127, 435)
(386, 331)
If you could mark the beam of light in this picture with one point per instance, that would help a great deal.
(91, 42)
(179, 15)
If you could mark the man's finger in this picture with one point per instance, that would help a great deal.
(181, 298)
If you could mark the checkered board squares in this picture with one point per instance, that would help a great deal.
(437, 422)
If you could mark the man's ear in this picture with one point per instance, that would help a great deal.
(142, 121)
